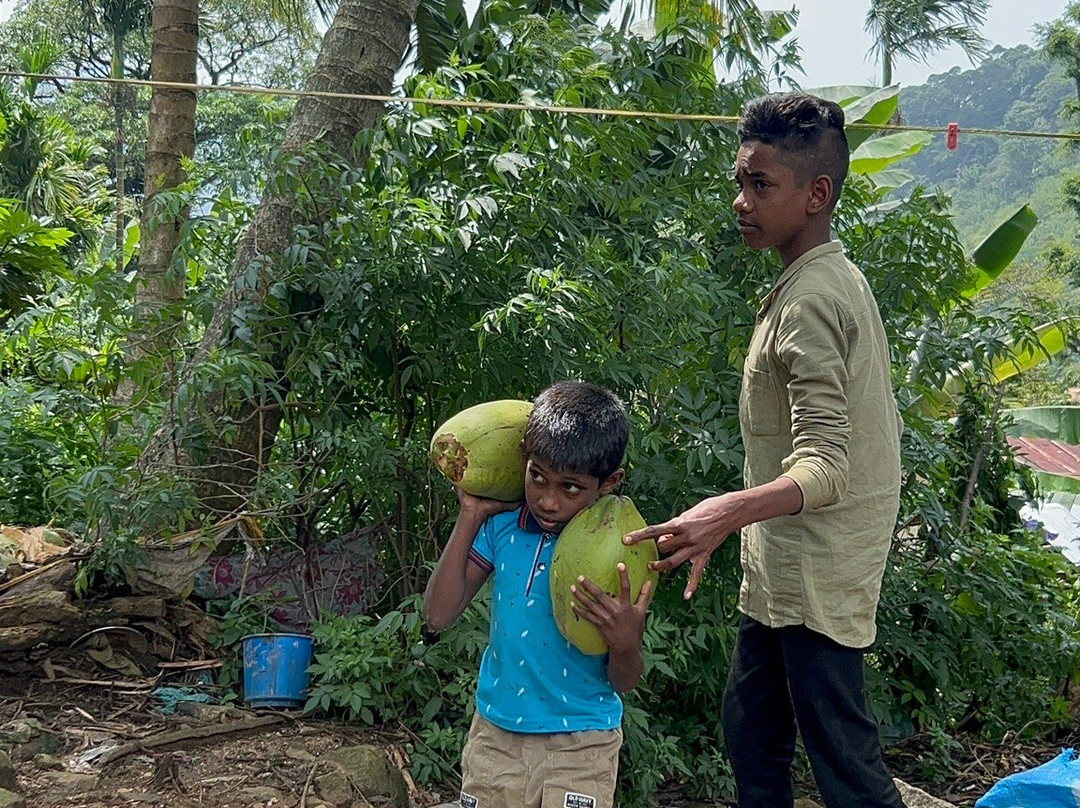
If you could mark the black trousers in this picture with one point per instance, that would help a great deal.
(787, 679)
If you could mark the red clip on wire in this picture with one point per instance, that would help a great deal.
(950, 136)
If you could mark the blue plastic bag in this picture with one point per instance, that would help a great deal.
(1052, 785)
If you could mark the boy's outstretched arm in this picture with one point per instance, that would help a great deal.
(620, 621)
(698, 531)
(456, 580)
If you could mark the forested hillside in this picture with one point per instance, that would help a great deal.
(1015, 89)
(988, 176)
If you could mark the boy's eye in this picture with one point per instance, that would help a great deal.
(570, 488)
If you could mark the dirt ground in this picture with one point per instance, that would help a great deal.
(212, 757)
(222, 757)
(86, 723)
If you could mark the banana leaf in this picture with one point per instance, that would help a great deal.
(1052, 338)
(1056, 423)
(999, 248)
(890, 179)
(1049, 339)
(843, 94)
(879, 153)
(868, 113)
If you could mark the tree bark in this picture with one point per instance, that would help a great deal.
(118, 122)
(360, 53)
(170, 140)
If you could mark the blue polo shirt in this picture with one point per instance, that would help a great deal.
(531, 679)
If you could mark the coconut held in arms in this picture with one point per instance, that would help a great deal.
(591, 545)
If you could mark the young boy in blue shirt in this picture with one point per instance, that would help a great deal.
(546, 733)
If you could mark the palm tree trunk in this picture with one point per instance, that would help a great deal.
(360, 53)
(170, 140)
(117, 71)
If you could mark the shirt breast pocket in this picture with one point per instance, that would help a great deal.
(761, 402)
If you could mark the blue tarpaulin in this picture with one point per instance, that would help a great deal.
(1055, 784)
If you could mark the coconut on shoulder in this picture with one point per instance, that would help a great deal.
(591, 545)
(479, 449)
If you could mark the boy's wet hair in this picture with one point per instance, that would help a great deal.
(577, 427)
(807, 130)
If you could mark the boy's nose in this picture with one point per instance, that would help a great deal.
(548, 504)
(739, 203)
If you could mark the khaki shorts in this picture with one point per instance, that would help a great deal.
(503, 769)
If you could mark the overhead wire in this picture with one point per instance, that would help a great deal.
(479, 104)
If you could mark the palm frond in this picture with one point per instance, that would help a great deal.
(933, 40)
(915, 29)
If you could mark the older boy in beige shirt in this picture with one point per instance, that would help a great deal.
(821, 479)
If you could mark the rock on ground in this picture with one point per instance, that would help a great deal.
(912, 797)
(366, 768)
(917, 798)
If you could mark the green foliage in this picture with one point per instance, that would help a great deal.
(40, 450)
(1045, 287)
(969, 593)
(52, 198)
(671, 724)
(516, 234)
(999, 248)
(59, 367)
(43, 162)
(1060, 40)
(237, 618)
(30, 253)
(881, 152)
(242, 41)
(469, 255)
(558, 246)
(387, 670)
(239, 42)
(475, 255)
(379, 671)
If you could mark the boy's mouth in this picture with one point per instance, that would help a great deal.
(547, 524)
(744, 225)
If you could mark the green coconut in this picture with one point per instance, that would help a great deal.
(479, 449)
(591, 545)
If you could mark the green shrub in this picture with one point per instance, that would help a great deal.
(387, 671)
(42, 448)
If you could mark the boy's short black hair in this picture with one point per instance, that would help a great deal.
(577, 427)
(808, 130)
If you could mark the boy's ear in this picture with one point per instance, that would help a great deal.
(608, 485)
(821, 194)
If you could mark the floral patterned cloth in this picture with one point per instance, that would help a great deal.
(340, 577)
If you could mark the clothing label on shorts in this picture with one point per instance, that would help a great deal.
(468, 801)
(579, 800)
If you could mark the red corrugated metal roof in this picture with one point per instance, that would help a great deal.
(1051, 456)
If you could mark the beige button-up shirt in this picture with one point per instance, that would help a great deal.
(817, 406)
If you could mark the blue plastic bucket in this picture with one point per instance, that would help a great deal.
(275, 669)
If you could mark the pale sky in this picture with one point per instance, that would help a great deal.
(834, 45)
